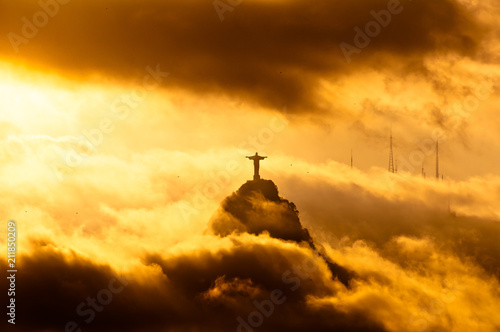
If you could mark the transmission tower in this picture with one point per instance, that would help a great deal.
(391, 158)
(351, 159)
(437, 160)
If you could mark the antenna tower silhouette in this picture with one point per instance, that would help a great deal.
(437, 160)
(391, 158)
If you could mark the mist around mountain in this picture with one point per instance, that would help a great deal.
(257, 208)
(366, 262)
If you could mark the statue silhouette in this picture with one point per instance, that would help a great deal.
(256, 164)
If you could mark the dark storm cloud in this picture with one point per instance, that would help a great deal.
(198, 291)
(252, 271)
(206, 287)
(273, 53)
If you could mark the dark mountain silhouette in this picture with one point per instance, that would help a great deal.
(256, 207)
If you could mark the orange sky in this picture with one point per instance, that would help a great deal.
(124, 124)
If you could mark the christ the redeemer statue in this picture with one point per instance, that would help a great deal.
(256, 160)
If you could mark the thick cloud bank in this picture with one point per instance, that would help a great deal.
(270, 52)
(262, 271)
(256, 208)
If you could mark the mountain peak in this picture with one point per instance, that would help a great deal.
(257, 207)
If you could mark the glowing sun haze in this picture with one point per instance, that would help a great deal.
(124, 127)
